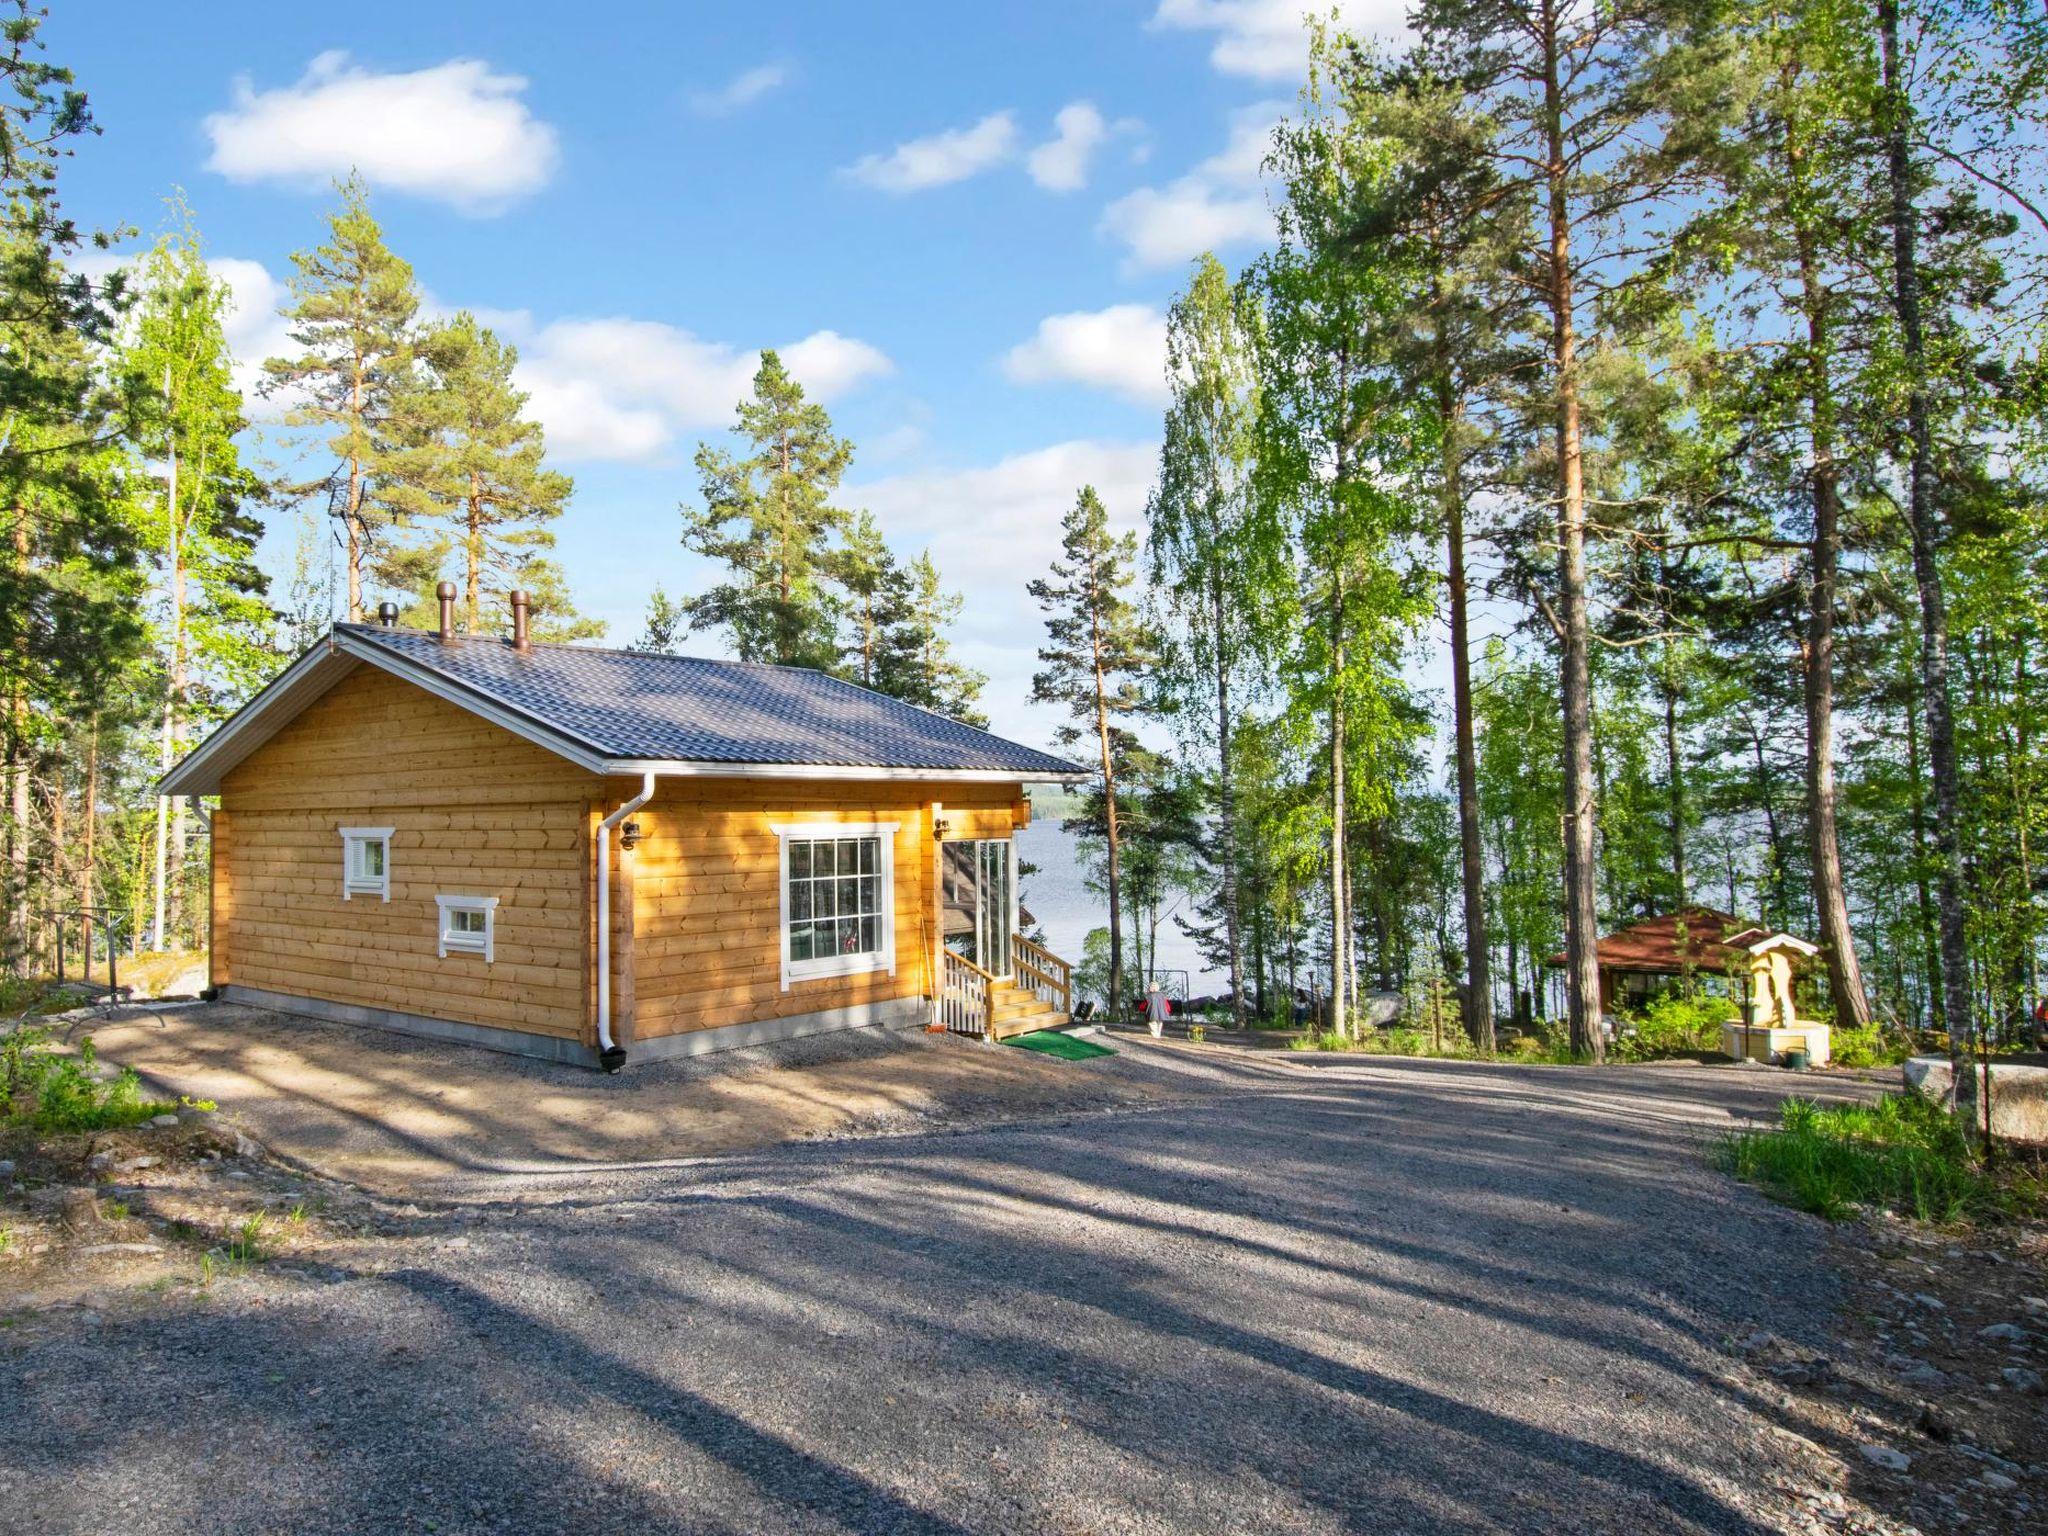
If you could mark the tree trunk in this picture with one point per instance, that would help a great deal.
(1934, 686)
(1477, 1004)
(1226, 812)
(1582, 968)
(473, 556)
(1838, 942)
(1116, 929)
(17, 770)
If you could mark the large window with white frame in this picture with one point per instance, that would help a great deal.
(366, 862)
(468, 926)
(838, 900)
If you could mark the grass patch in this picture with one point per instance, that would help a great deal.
(44, 1088)
(1903, 1153)
(1050, 1042)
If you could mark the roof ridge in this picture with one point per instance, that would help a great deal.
(576, 646)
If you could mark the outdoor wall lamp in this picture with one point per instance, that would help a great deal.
(629, 836)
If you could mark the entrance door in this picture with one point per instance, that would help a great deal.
(979, 894)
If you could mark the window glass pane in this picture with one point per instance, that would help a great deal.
(871, 893)
(373, 858)
(868, 846)
(849, 896)
(800, 942)
(799, 899)
(870, 935)
(799, 860)
(849, 936)
(822, 904)
(821, 858)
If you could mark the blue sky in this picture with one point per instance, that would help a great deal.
(962, 224)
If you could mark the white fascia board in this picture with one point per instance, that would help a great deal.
(682, 768)
(279, 701)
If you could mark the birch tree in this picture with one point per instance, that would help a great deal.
(1218, 557)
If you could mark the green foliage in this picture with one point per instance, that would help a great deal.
(1875, 1046)
(43, 1088)
(916, 662)
(768, 517)
(351, 314)
(458, 453)
(1676, 1024)
(1903, 1153)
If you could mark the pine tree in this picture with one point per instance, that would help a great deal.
(352, 310)
(666, 624)
(1096, 655)
(458, 449)
(768, 518)
(876, 591)
(916, 662)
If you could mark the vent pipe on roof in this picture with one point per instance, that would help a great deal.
(387, 614)
(446, 592)
(520, 603)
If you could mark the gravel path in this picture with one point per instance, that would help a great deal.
(1362, 1297)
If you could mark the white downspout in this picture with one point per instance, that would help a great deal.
(604, 917)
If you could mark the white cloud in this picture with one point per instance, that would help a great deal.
(622, 389)
(458, 132)
(942, 158)
(1122, 349)
(1220, 203)
(1268, 39)
(1061, 163)
(994, 527)
(742, 90)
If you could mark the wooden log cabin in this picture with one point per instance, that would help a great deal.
(586, 854)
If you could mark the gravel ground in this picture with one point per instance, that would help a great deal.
(1389, 1297)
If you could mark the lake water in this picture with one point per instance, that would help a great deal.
(1057, 895)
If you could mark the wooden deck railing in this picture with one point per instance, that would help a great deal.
(963, 994)
(1042, 972)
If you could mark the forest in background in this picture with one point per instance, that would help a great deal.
(1673, 371)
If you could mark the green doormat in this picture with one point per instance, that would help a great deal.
(1050, 1042)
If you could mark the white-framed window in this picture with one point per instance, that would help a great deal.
(366, 862)
(468, 925)
(838, 899)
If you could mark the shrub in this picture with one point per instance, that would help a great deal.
(1903, 1153)
(45, 1089)
(1870, 1046)
(1675, 1025)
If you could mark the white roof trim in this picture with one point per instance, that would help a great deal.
(1773, 941)
(287, 694)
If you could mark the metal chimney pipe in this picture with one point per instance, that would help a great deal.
(387, 614)
(521, 641)
(446, 592)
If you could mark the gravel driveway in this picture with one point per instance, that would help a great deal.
(1386, 1297)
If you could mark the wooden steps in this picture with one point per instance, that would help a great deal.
(1015, 1010)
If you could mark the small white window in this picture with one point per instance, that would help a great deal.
(466, 925)
(366, 862)
(838, 900)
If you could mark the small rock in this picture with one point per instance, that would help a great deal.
(2036, 1304)
(1997, 1482)
(139, 1162)
(100, 1160)
(2023, 1379)
(191, 1116)
(1884, 1456)
(2011, 1332)
(164, 1122)
(1932, 1303)
(1927, 1378)
(80, 1209)
(6, 1167)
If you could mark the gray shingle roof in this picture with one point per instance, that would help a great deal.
(640, 705)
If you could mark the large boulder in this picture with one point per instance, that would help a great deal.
(2019, 1092)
